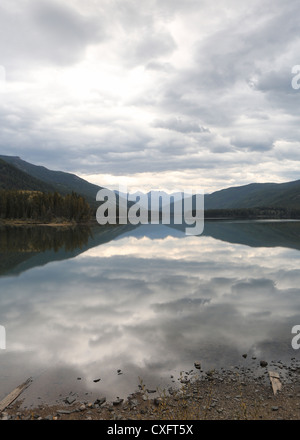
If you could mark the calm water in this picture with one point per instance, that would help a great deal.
(148, 301)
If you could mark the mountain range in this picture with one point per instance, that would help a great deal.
(256, 195)
(25, 175)
(16, 173)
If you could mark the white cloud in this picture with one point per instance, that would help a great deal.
(127, 89)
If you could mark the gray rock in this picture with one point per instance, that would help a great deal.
(263, 363)
(184, 380)
(118, 401)
(100, 401)
(70, 399)
(133, 403)
(63, 411)
(197, 365)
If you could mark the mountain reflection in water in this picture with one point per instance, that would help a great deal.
(148, 300)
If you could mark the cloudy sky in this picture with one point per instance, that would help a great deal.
(157, 94)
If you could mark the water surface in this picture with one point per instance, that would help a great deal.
(149, 301)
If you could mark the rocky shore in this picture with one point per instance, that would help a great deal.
(237, 393)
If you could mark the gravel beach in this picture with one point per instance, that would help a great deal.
(238, 393)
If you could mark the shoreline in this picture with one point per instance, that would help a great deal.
(37, 223)
(232, 394)
(93, 222)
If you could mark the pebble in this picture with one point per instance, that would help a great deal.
(70, 399)
(263, 363)
(157, 401)
(197, 365)
(5, 416)
(63, 411)
(185, 380)
(118, 401)
(100, 401)
(133, 403)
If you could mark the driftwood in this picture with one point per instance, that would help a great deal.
(275, 381)
(14, 394)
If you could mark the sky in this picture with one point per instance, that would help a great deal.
(156, 94)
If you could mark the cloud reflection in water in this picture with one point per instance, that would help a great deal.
(149, 307)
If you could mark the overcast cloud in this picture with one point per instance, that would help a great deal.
(164, 93)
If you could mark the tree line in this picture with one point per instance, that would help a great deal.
(43, 207)
(43, 238)
(254, 213)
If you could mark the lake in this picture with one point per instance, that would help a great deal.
(139, 304)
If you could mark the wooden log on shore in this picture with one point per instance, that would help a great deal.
(275, 381)
(14, 394)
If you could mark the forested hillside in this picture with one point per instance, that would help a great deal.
(12, 178)
(62, 182)
(43, 207)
